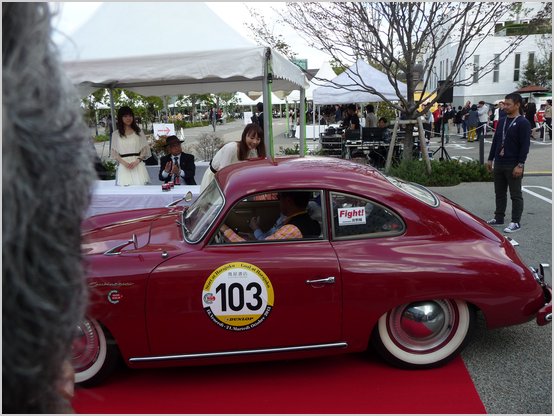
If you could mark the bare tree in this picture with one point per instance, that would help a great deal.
(207, 146)
(395, 36)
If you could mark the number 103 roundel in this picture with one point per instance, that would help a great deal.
(238, 296)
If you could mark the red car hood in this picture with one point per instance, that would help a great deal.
(156, 229)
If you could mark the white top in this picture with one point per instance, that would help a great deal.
(225, 156)
(134, 143)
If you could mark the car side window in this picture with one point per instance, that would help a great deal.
(272, 223)
(355, 217)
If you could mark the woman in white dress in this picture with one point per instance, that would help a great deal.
(250, 146)
(130, 148)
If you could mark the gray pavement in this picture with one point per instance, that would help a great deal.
(511, 367)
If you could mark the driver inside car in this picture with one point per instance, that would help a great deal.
(296, 222)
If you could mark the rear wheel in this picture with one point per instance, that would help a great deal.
(95, 353)
(426, 334)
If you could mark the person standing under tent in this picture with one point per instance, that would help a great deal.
(130, 148)
(338, 113)
(371, 118)
(260, 108)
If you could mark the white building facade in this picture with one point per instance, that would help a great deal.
(497, 83)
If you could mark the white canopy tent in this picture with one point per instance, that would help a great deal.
(164, 49)
(325, 73)
(346, 87)
(244, 99)
(274, 99)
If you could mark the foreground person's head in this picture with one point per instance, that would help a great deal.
(44, 139)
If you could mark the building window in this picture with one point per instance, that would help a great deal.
(531, 61)
(517, 64)
(476, 68)
(496, 71)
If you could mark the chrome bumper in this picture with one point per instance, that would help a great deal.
(544, 315)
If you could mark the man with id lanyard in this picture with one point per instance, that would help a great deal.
(509, 149)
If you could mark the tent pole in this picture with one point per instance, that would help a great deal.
(313, 118)
(112, 109)
(287, 109)
(302, 121)
(266, 92)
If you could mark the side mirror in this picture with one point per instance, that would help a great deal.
(188, 196)
(134, 241)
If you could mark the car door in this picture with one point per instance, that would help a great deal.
(245, 296)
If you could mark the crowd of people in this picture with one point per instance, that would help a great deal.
(472, 121)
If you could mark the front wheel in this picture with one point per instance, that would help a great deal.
(95, 353)
(425, 334)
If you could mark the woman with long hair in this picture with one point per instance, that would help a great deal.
(130, 148)
(251, 146)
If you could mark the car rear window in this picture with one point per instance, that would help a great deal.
(417, 191)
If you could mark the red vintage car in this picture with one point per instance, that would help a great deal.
(394, 265)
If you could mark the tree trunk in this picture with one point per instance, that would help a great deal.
(408, 142)
(193, 115)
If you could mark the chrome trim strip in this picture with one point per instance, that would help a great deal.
(240, 352)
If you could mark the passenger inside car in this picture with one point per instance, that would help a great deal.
(295, 222)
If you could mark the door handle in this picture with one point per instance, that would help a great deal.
(324, 281)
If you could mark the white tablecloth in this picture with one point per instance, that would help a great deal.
(107, 197)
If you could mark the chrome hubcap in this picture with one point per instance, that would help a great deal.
(422, 326)
(85, 346)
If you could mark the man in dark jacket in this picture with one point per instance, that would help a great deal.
(509, 149)
(177, 165)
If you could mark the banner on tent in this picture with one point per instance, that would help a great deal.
(164, 130)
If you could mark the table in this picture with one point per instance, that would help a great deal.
(107, 197)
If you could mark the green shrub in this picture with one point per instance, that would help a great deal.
(445, 173)
(101, 138)
(288, 151)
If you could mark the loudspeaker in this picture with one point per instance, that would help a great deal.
(448, 95)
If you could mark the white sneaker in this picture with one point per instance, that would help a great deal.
(512, 228)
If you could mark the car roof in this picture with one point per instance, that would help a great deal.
(295, 172)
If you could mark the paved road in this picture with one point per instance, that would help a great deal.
(511, 367)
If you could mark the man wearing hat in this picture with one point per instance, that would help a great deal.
(177, 166)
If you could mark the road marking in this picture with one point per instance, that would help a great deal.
(525, 189)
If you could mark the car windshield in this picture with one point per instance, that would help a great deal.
(198, 218)
(417, 191)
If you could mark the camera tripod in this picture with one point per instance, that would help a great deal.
(441, 147)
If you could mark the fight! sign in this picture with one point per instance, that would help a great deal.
(351, 216)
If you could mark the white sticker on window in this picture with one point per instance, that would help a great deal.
(351, 216)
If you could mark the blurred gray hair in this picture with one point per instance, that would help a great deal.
(47, 171)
